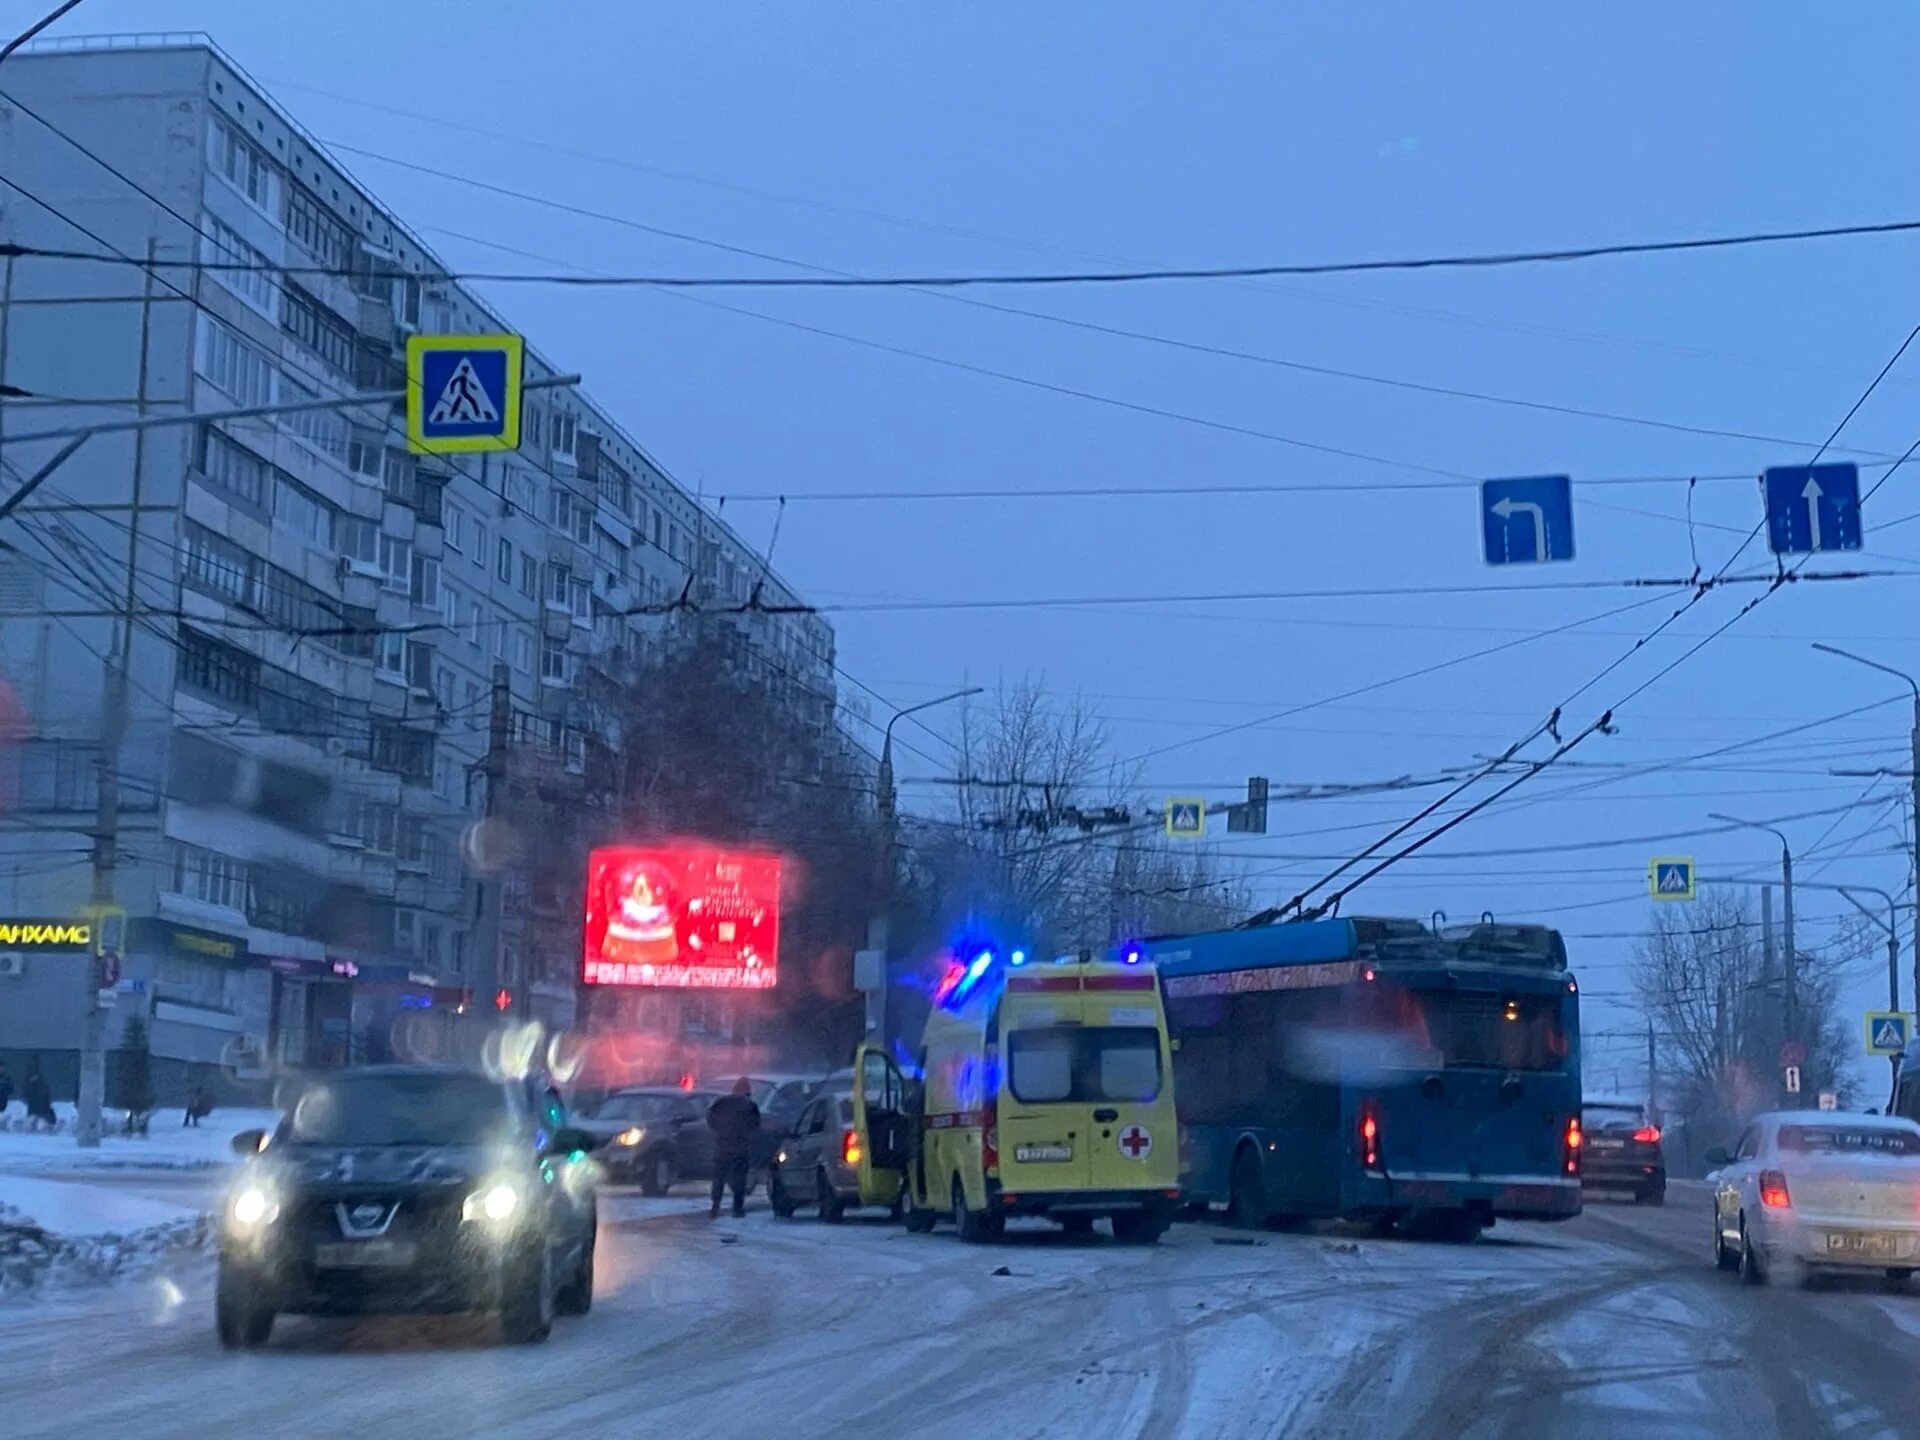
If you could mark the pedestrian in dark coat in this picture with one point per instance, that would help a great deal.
(38, 1096)
(734, 1120)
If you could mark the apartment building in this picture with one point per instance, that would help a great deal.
(337, 648)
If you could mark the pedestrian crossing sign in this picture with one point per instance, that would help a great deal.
(463, 393)
(1187, 817)
(1887, 1032)
(1670, 877)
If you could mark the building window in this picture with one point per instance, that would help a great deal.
(503, 567)
(379, 828)
(456, 527)
(481, 540)
(443, 775)
(452, 605)
(582, 522)
(365, 451)
(523, 652)
(230, 467)
(225, 360)
(554, 663)
(564, 434)
(318, 328)
(529, 577)
(315, 227)
(208, 876)
(475, 618)
(405, 752)
(580, 600)
(420, 666)
(396, 563)
(217, 566)
(248, 275)
(219, 671)
(299, 511)
(325, 430)
(390, 654)
(426, 582)
(559, 586)
(358, 539)
(245, 167)
(443, 687)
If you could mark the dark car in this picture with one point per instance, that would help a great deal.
(653, 1137)
(407, 1189)
(1622, 1151)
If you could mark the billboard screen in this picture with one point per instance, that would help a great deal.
(685, 916)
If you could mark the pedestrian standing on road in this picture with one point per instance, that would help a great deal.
(734, 1120)
(6, 1089)
(198, 1105)
(38, 1096)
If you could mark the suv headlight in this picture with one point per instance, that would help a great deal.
(253, 1208)
(632, 1135)
(497, 1203)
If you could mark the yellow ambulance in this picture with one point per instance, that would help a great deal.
(1045, 1089)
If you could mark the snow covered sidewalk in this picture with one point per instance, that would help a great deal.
(169, 1145)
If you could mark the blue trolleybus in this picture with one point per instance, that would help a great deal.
(1377, 1070)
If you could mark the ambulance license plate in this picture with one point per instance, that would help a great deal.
(1032, 1154)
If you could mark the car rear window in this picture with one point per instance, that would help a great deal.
(1091, 1063)
(1843, 1140)
(1597, 1117)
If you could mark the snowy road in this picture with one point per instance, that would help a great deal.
(1613, 1324)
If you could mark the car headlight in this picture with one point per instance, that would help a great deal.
(632, 1135)
(252, 1208)
(498, 1203)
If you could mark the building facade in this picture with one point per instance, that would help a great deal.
(338, 655)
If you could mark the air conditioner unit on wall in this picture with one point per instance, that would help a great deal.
(12, 963)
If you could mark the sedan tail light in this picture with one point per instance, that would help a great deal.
(1648, 1134)
(1773, 1190)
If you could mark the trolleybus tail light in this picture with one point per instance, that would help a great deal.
(1369, 1138)
(1773, 1190)
(1574, 1141)
(850, 1150)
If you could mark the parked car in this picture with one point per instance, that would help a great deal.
(1622, 1150)
(818, 1161)
(407, 1189)
(653, 1137)
(781, 1098)
(1818, 1190)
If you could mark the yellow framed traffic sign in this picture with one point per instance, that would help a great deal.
(463, 393)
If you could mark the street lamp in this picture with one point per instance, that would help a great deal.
(1786, 883)
(1913, 771)
(883, 862)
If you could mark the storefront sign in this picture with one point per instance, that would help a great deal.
(46, 935)
(166, 937)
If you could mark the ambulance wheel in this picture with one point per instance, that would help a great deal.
(919, 1221)
(1077, 1225)
(975, 1227)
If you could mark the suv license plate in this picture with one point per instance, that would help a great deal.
(365, 1254)
(1030, 1154)
(1854, 1242)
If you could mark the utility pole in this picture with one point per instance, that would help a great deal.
(91, 1091)
(878, 925)
(1792, 968)
(1653, 1076)
(491, 907)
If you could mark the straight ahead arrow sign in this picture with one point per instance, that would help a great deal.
(1812, 494)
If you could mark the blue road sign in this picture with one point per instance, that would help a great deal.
(463, 392)
(1811, 508)
(1887, 1032)
(1527, 521)
(1671, 877)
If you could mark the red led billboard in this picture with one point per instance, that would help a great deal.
(686, 916)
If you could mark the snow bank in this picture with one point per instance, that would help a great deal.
(168, 1145)
(34, 1259)
(73, 1207)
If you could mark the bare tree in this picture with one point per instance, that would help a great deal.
(1720, 1010)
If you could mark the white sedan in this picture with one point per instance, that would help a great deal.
(1815, 1189)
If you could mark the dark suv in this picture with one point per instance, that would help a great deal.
(1622, 1151)
(408, 1189)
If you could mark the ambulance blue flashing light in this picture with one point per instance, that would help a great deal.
(1019, 957)
(1133, 955)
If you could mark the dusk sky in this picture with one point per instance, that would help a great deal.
(887, 139)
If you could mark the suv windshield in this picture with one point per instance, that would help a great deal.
(402, 1110)
(1095, 1062)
